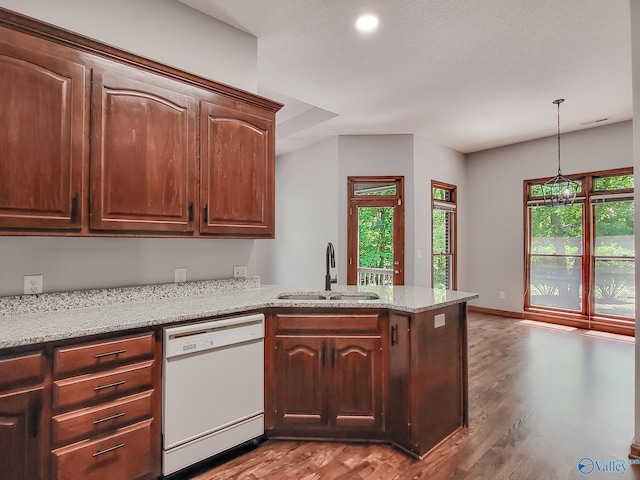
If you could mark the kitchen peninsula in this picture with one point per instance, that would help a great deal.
(392, 369)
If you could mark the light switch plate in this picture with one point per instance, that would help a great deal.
(439, 320)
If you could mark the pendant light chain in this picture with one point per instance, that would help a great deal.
(559, 191)
(558, 102)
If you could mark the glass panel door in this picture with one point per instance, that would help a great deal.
(375, 245)
(375, 231)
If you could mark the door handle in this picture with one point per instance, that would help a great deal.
(74, 207)
(396, 272)
(394, 335)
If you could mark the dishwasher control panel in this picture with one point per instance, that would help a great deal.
(199, 337)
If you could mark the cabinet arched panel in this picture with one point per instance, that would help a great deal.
(357, 388)
(237, 171)
(300, 382)
(42, 112)
(143, 161)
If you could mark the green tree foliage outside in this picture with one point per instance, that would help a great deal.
(375, 237)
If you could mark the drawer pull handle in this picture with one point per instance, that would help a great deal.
(110, 385)
(106, 419)
(107, 450)
(108, 354)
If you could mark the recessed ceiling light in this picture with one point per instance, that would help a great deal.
(367, 22)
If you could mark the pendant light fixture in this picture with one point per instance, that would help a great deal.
(559, 191)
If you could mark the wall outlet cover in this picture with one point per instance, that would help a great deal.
(439, 320)
(239, 271)
(33, 284)
(179, 275)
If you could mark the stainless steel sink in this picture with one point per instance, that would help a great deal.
(355, 296)
(301, 296)
(329, 296)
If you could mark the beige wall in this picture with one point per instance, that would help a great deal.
(494, 206)
(311, 203)
(306, 218)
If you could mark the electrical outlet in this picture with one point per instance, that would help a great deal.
(239, 271)
(502, 297)
(33, 284)
(179, 275)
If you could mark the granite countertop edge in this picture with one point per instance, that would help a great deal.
(18, 330)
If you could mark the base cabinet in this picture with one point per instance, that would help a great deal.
(124, 455)
(328, 376)
(20, 434)
(394, 377)
(428, 377)
(104, 407)
(23, 432)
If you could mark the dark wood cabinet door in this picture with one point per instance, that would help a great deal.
(43, 138)
(237, 171)
(20, 426)
(143, 156)
(300, 382)
(355, 401)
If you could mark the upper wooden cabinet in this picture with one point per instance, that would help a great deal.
(143, 158)
(237, 170)
(97, 141)
(43, 132)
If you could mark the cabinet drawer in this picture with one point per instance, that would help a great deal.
(123, 455)
(21, 368)
(93, 421)
(366, 323)
(101, 354)
(98, 387)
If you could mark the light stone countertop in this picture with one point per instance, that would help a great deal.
(40, 323)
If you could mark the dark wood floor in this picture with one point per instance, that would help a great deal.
(540, 400)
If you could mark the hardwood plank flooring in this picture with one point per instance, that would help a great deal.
(540, 400)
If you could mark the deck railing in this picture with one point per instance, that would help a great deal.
(375, 276)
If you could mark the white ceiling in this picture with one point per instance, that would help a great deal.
(467, 74)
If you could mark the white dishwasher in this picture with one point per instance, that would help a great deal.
(213, 388)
